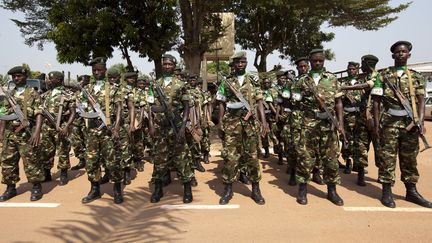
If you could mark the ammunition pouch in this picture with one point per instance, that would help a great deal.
(237, 112)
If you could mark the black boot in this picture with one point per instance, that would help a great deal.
(117, 189)
(47, 174)
(361, 177)
(302, 194)
(243, 178)
(93, 194)
(127, 176)
(341, 166)
(167, 180)
(9, 193)
(105, 177)
(355, 168)
(280, 159)
(256, 194)
(194, 182)
(333, 196)
(36, 192)
(387, 196)
(292, 180)
(139, 165)
(198, 165)
(81, 164)
(206, 157)
(187, 193)
(266, 152)
(413, 196)
(63, 177)
(227, 195)
(157, 193)
(348, 167)
(316, 177)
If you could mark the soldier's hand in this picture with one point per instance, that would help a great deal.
(64, 131)
(35, 139)
(115, 133)
(151, 131)
(265, 129)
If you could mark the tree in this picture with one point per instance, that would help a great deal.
(224, 69)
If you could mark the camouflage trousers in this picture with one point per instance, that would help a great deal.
(290, 138)
(274, 136)
(350, 133)
(168, 151)
(138, 146)
(205, 141)
(318, 143)
(50, 143)
(362, 143)
(101, 147)
(396, 142)
(77, 138)
(125, 147)
(15, 146)
(239, 149)
(194, 146)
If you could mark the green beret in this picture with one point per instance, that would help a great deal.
(142, 78)
(56, 74)
(355, 64)
(113, 72)
(169, 57)
(238, 55)
(316, 51)
(17, 70)
(98, 61)
(301, 59)
(405, 43)
(131, 75)
(280, 73)
(370, 57)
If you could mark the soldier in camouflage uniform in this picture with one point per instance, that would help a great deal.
(58, 105)
(206, 123)
(269, 102)
(20, 140)
(319, 139)
(169, 142)
(150, 99)
(102, 141)
(241, 134)
(282, 117)
(398, 139)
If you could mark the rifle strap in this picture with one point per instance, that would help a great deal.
(107, 103)
(26, 97)
(249, 91)
(412, 95)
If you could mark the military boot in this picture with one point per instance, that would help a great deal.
(81, 164)
(105, 177)
(36, 192)
(413, 196)
(316, 177)
(93, 194)
(127, 176)
(47, 174)
(341, 166)
(187, 193)
(332, 195)
(63, 177)
(256, 194)
(348, 167)
(361, 177)
(387, 196)
(194, 182)
(227, 195)
(167, 180)
(302, 194)
(199, 166)
(206, 157)
(292, 180)
(243, 178)
(139, 165)
(157, 193)
(266, 152)
(280, 159)
(117, 190)
(9, 193)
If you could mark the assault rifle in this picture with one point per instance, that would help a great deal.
(48, 116)
(95, 106)
(17, 110)
(239, 95)
(164, 108)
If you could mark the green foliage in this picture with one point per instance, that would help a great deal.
(224, 69)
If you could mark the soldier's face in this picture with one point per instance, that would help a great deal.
(352, 71)
(302, 67)
(19, 78)
(168, 66)
(99, 71)
(401, 54)
(141, 85)
(193, 82)
(367, 67)
(317, 61)
(266, 84)
(54, 81)
(281, 80)
(114, 79)
(130, 81)
(240, 65)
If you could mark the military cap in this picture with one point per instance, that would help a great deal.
(317, 50)
(142, 78)
(355, 64)
(56, 74)
(370, 57)
(98, 61)
(17, 70)
(405, 43)
(178, 67)
(169, 57)
(131, 75)
(113, 72)
(238, 55)
(280, 73)
(301, 59)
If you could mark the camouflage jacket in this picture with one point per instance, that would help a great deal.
(51, 101)
(352, 98)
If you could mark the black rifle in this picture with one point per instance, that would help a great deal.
(17, 110)
(164, 108)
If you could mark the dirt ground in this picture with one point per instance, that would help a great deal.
(281, 219)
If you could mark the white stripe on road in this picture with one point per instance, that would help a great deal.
(385, 209)
(29, 205)
(183, 206)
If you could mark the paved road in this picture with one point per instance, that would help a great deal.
(280, 219)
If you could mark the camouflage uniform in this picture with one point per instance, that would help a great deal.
(77, 138)
(197, 98)
(126, 155)
(205, 141)
(138, 145)
(274, 134)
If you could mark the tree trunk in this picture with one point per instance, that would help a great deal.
(158, 66)
(262, 65)
(125, 54)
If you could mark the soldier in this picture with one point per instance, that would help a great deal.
(207, 107)
(399, 136)
(21, 136)
(150, 99)
(269, 102)
(101, 136)
(240, 128)
(58, 107)
(319, 90)
(169, 132)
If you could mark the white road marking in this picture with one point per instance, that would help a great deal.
(185, 206)
(385, 209)
(29, 205)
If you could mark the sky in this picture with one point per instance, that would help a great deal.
(349, 44)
